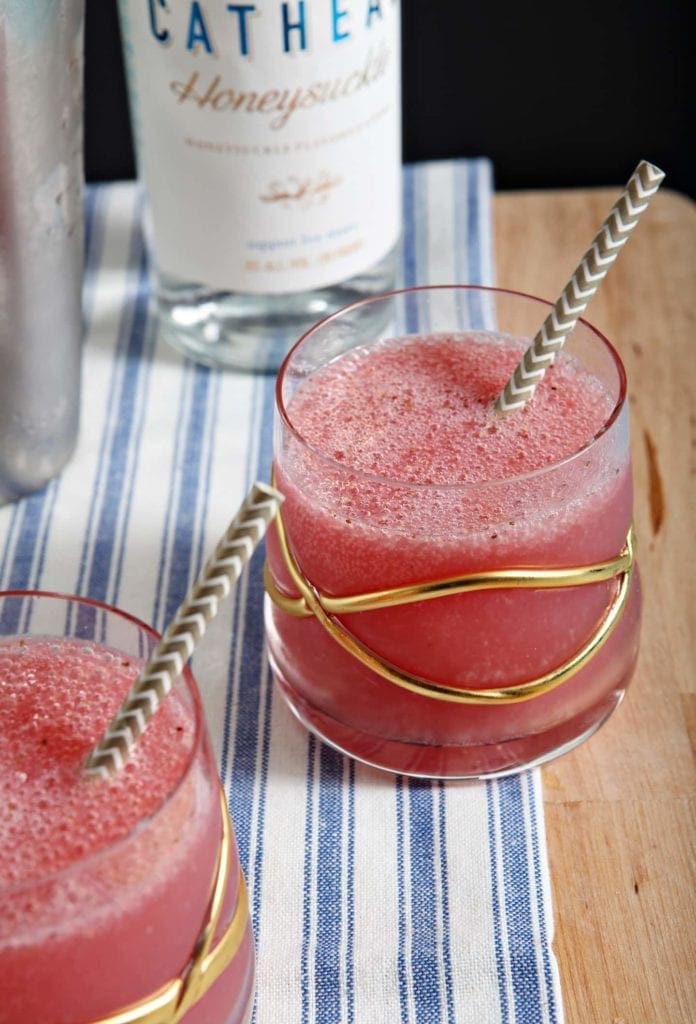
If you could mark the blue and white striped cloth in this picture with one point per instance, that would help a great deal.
(375, 900)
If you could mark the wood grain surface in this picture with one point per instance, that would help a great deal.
(621, 809)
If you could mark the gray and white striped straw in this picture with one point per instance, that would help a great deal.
(189, 624)
(593, 267)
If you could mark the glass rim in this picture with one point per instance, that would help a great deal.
(89, 859)
(417, 486)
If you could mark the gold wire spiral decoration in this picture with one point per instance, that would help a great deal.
(170, 1003)
(325, 608)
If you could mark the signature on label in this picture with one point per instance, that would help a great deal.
(301, 192)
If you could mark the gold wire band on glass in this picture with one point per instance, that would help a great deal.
(311, 602)
(174, 999)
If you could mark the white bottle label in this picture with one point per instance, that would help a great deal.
(268, 136)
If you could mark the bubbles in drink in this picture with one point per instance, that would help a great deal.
(365, 410)
(56, 697)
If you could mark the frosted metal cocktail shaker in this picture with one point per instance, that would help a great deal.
(41, 239)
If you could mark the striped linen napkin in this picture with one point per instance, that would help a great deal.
(375, 899)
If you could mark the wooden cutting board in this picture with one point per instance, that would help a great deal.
(621, 809)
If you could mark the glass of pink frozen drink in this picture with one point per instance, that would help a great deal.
(108, 888)
(451, 590)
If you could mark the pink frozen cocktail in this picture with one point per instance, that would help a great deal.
(107, 886)
(401, 482)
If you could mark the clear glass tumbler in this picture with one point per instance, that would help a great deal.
(450, 624)
(120, 899)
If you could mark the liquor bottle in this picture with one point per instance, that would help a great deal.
(268, 139)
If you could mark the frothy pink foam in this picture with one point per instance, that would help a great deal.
(56, 698)
(366, 411)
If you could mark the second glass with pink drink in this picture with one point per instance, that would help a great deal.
(452, 591)
(121, 899)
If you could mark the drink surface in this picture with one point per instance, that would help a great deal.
(421, 411)
(417, 459)
(398, 470)
(56, 698)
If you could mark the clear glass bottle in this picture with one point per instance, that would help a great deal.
(268, 137)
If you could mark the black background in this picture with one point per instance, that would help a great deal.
(557, 95)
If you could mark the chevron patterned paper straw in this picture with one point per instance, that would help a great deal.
(175, 648)
(607, 243)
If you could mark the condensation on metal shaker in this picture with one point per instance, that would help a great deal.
(41, 239)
